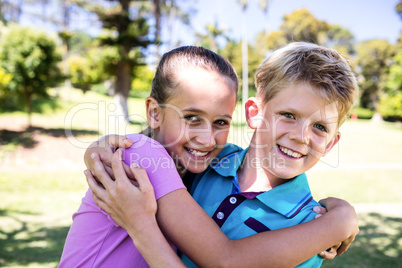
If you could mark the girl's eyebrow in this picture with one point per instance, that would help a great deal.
(194, 110)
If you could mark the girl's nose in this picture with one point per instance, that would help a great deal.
(205, 137)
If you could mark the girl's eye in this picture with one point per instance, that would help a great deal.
(222, 122)
(320, 127)
(288, 115)
(191, 119)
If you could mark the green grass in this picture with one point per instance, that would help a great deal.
(36, 207)
(35, 214)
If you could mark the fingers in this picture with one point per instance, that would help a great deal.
(118, 169)
(128, 171)
(319, 210)
(141, 177)
(101, 174)
(323, 202)
(119, 141)
(98, 192)
(330, 253)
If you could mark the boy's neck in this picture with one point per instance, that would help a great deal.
(253, 176)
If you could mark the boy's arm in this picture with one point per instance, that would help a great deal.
(190, 228)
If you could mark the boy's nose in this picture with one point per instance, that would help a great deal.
(300, 133)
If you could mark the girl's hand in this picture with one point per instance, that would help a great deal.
(330, 253)
(132, 207)
(331, 203)
(105, 148)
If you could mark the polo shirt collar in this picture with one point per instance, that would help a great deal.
(228, 165)
(288, 198)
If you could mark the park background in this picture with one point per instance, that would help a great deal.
(73, 71)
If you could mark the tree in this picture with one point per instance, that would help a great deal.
(209, 40)
(374, 58)
(301, 25)
(233, 51)
(126, 32)
(339, 38)
(32, 59)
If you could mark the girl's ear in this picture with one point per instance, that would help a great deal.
(154, 113)
(332, 143)
(252, 113)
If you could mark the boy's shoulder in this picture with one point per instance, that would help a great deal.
(228, 150)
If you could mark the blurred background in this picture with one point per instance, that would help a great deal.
(72, 71)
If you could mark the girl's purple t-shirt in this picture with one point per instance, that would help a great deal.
(94, 238)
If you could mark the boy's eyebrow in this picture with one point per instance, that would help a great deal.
(194, 110)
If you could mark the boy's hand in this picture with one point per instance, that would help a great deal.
(105, 148)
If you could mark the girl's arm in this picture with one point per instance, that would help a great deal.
(145, 234)
(191, 229)
(105, 147)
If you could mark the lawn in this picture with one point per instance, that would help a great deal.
(38, 199)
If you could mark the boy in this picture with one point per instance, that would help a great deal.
(304, 92)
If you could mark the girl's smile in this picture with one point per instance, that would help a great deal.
(194, 124)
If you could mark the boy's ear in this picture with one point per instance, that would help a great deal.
(332, 143)
(252, 112)
(154, 113)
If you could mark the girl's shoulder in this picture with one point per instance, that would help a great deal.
(142, 141)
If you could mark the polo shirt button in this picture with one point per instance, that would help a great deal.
(233, 200)
(220, 215)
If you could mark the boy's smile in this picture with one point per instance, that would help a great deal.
(296, 129)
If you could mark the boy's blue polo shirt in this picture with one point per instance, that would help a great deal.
(244, 214)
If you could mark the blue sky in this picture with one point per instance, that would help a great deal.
(366, 19)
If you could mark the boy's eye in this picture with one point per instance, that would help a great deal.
(288, 115)
(320, 127)
(192, 119)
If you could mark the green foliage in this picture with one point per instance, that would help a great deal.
(394, 81)
(94, 67)
(233, 52)
(79, 42)
(373, 58)
(362, 113)
(398, 9)
(5, 78)
(142, 78)
(32, 59)
(301, 25)
(390, 107)
(339, 38)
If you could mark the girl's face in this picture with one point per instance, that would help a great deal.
(194, 123)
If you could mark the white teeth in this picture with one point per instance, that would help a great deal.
(197, 153)
(290, 152)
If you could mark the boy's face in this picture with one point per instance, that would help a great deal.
(298, 127)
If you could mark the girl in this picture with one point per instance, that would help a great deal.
(189, 112)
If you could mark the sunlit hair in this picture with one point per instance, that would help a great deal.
(172, 62)
(325, 69)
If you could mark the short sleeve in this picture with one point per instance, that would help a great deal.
(153, 157)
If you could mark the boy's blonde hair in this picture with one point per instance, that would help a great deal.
(323, 68)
